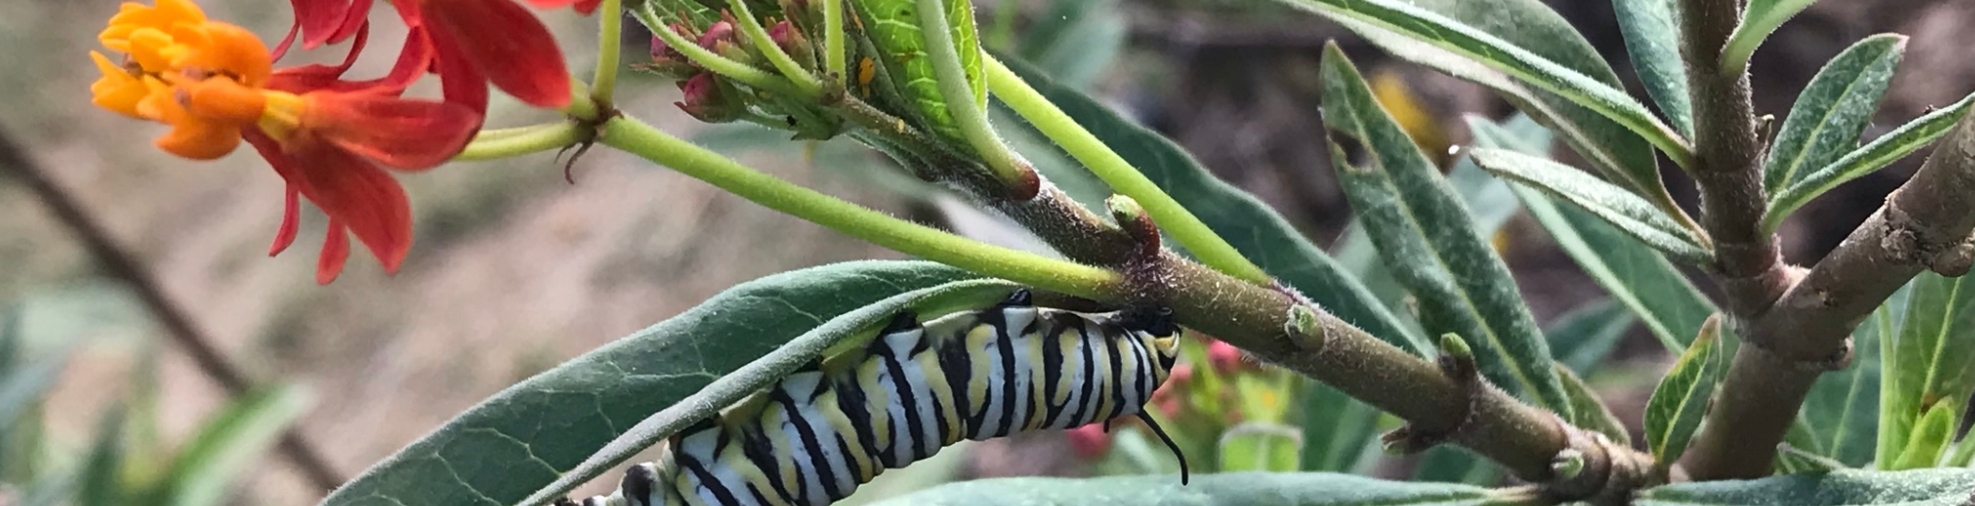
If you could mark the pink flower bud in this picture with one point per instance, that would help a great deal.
(704, 100)
(1224, 356)
(1089, 441)
(720, 31)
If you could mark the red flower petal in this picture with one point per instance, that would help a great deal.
(329, 21)
(335, 251)
(584, 7)
(311, 77)
(291, 220)
(459, 80)
(506, 43)
(354, 193)
(402, 133)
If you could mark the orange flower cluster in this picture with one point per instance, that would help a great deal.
(328, 137)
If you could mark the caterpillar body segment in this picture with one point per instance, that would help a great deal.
(815, 436)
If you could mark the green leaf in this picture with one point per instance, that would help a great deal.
(100, 482)
(1337, 429)
(893, 27)
(1666, 302)
(1467, 30)
(22, 389)
(1652, 37)
(1488, 199)
(1453, 464)
(1076, 40)
(1865, 160)
(1841, 413)
(228, 444)
(1630, 213)
(1792, 460)
(524, 438)
(1833, 109)
(1759, 19)
(1258, 489)
(1936, 487)
(1929, 440)
(1681, 399)
(1591, 412)
(1582, 338)
(1428, 239)
(1258, 446)
(1258, 232)
(1931, 362)
(851, 329)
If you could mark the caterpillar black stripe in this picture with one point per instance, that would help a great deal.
(815, 436)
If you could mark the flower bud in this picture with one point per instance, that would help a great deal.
(1089, 441)
(1225, 357)
(707, 101)
(790, 39)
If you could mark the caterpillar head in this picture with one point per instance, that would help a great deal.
(1158, 323)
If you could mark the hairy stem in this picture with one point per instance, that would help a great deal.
(751, 27)
(1179, 224)
(712, 61)
(512, 142)
(120, 263)
(1748, 264)
(1072, 278)
(968, 115)
(835, 57)
(610, 34)
(1924, 225)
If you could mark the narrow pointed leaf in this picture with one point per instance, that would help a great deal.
(1759, 19)
(1792, 460)
(1583, 337)
(1682, 396)
(1929, 440)
(1251, 226)
(1488, 199)
(1260, 446)
(1615, 205)
(537, 431)
(1518, 61)
(229, 443)
(1591, 412)
(1931, 487)
(1932, 363)
(1428, 240)
(1652, 38)
(100, 482)
(1665, 301)
(1866, 159)
(1303, 489)
(1829, 114)
(1453, 464)
(1841, 413)
(1337, 429)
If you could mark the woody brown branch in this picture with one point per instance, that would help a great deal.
(1924, 225)
(1260, 319)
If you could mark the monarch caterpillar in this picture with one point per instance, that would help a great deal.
(816, 435)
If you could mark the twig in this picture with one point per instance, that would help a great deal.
(121, 264)
(1748, 264)
(1924, 225)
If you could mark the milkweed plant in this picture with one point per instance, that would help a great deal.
(1283, 374)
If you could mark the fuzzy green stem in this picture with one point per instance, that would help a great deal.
(751, 26)
(581, 106)
(835, 60)
(968, 116)
(609, 50)
(512, 142)
(728, 68)
(1180, 225)
(1022, 267)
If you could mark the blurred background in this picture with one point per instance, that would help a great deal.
(516, 270)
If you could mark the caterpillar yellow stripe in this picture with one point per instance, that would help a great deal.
(916, 387)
